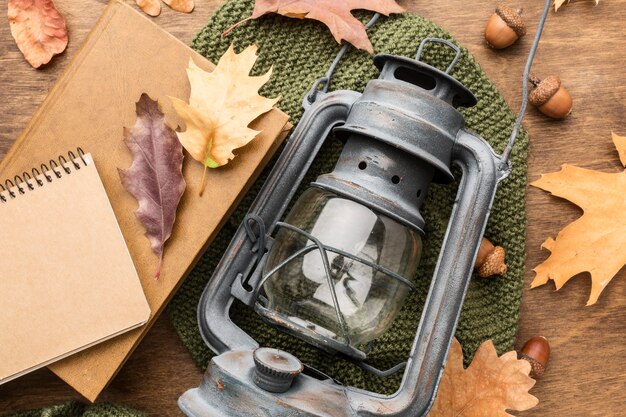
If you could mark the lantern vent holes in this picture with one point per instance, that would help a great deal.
(362, 165)
(395, 179)
(416, 78)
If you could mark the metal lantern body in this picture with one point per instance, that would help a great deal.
(336, 271)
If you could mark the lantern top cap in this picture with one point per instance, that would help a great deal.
(414, 71)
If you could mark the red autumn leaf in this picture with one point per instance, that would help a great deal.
(38, 29)
(155, 177)
(337, 15)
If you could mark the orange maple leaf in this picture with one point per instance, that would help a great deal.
(488, 387)
(593, 243)
(337, 15)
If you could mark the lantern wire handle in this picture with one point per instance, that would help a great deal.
(327, 78)
(451, 45)
(506, 154)
(342, 52)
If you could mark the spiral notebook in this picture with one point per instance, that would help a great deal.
(67, 280)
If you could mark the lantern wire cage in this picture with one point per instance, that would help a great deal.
(344, 346)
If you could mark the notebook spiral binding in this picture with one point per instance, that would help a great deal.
(23, 182)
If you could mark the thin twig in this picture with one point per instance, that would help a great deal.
(525, 90)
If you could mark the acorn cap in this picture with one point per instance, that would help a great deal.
(545, 90)
(537, 352)
(536, 368)
(494, 263)
(512, 19)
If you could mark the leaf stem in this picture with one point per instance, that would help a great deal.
(534, 80)
(203, 180)
(227, 31)
(157, 275)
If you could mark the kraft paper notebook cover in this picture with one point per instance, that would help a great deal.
(68, 281)
(124, 56)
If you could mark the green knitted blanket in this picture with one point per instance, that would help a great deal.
(300, 51)
(76, 409)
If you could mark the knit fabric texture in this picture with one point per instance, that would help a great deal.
(76, 409)
(300, 51)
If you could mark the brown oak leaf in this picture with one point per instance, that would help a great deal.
(155, 177)
(153, 7)
(488, 387)
(337, 15)
(221, 106)
(150, 7)
(38, 29)
(559, 3)
(185, 6)
(593, 243)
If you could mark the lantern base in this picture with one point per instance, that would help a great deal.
(228, 390)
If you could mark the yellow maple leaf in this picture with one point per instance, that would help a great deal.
(488, 387)
(559, 3)
(593, 243)
(221, 106)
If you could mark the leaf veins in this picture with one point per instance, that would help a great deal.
(155, 177)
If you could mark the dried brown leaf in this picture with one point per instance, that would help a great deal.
(337, 15)
(594, 242)
(150, 7)
(185, 6)
(620, 145)
(38, 29)
(559, 3)
(155, 177)
(488, 387)
(221, 106)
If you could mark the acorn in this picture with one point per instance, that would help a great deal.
(504, 27)
(537, 352)
(550, 97)
(490, 259)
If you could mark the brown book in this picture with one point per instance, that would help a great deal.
(124, 56)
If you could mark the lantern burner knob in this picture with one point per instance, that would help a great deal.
(275, 369)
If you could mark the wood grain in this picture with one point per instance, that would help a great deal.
(582, 44)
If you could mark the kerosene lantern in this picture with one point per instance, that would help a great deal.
(337, 269)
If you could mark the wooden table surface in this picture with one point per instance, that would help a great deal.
(582, 44)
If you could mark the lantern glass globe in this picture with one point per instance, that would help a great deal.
(368, 299)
